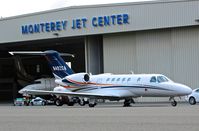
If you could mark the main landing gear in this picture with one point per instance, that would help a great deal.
(127, 102)
(92, 103)
(173, 102)
(64, 100)
(58, 102)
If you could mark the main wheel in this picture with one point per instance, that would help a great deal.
(127, 103)
(70, 103)
(92, 105)
(82, 102)
(192, 101)
(174, 103)
(58, 102)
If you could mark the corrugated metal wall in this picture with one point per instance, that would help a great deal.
(119, 53)
(173, 52)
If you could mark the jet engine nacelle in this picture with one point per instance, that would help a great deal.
(79, 77)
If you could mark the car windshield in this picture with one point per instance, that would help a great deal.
(37, 100)
(161, 79)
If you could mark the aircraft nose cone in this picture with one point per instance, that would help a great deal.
(186, 90)
(182, 90)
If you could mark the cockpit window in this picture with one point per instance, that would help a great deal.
(153, 79)
(197, 90)
(161, 79)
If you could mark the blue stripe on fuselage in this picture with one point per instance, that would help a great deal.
(111, 87)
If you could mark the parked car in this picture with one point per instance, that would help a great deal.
(38, 101)
(19, 102)
(193, 98)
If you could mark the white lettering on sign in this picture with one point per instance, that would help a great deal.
(59, 68)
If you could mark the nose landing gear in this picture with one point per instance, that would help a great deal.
(173, 102)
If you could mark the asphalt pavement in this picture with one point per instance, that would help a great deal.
(103, 117)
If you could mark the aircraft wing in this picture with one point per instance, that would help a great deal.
(104, 95)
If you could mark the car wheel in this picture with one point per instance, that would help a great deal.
(43, 103)
(192, 100)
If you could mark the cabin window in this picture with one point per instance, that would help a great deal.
(128, 79)
(153, 79)
(123, 79)
(118, 79)
(107, 79)
(113, 79)
(138, 79)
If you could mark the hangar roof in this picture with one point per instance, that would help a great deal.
(99, 19)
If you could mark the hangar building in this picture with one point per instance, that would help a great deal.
(144, 37)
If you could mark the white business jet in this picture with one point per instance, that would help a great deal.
(106, 86)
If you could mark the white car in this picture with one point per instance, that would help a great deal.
(38, 101)
(193, 98)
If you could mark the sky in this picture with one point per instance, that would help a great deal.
(18, 7)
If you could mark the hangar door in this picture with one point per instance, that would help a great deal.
(172, 52)
(35, 67)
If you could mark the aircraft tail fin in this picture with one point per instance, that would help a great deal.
(58, 66)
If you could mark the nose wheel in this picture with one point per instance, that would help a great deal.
(173, 102)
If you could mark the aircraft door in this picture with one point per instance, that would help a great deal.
(139, 82)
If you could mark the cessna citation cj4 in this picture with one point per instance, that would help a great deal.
(125, 87)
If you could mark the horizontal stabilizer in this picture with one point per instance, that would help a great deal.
(38, 53)
(58, 66)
